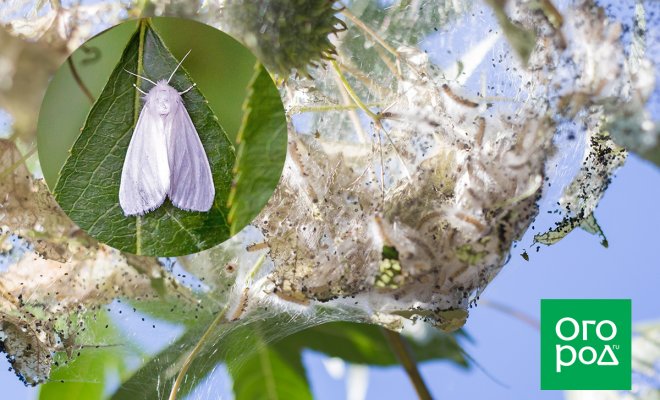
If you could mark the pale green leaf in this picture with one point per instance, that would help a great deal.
(261, 150)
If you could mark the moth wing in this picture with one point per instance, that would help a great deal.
(191, 182)
(145, 176)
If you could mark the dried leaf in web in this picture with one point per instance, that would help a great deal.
(30, 211)
(602, 158)
(28, 348)
(43, 302)
(63, 273)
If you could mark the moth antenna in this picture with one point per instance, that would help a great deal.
(140, 76)
(178, 65)
(188, 90)
(139, 90)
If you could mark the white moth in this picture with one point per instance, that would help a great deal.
(165, 157)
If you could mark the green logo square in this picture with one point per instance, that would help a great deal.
(586, 344)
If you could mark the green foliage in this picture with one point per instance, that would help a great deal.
(88, 187)
(261, 369)
(147, 380)
(272, 372)
(261, 150)
(365, 344)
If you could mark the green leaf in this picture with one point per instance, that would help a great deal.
(365, 344)
(274, 371)
(85, 377)
(261, 150)
(88, 186)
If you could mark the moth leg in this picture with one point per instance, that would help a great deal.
(187, 90)
(139, 90)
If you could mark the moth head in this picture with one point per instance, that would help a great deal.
(162, 97)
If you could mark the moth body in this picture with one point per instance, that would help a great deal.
(165, 157)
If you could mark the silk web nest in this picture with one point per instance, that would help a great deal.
(411, 212)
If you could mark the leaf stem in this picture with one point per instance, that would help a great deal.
(138, 235)
(407, 360)
(375, 117)
(10, 169)
(353, 95)
(373, 86)
(136, 112)
(78, 79)
(329, 107)
(195, 351)
(352, 114)
(510, 311)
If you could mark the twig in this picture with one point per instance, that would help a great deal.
(329, 107)
(81, 84)
(375, 117)
(374, 86)
(353, 95)
(352, 114)
(382, 169)
(394, 67)
(407, 360)
(10, 169)
(519, 315)
(195, 351)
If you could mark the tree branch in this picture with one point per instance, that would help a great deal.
(510, 311)
(407, 360)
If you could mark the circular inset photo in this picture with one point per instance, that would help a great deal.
(162, 137)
